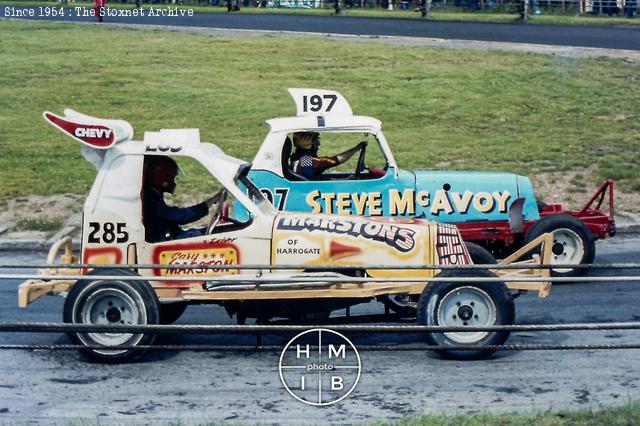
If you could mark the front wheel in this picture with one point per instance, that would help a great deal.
(112, 302)
(573, 243)
(465, 303)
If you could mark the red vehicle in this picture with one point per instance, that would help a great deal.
(569, 227)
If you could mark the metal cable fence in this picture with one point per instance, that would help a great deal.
(254, 275)
(592, 266)
(18, 327)
(259, 282)
(260, 330)
(273, 348)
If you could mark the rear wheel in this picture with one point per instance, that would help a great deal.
(573, 243)
(466, 303)
(111, 302)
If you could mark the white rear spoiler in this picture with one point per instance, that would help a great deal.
(94, 132)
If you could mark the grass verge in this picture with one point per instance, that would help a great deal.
(625, 415)
(44, 225)
(441, 108)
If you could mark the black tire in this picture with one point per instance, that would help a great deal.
(170, 312)
(480, 255)
(495, 306)
(95, 302)
(573, 243)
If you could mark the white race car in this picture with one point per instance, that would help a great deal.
(324, 248)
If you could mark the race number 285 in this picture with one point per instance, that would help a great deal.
(315, 103)
(108, 232)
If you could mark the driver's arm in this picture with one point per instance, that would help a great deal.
(177, 215)
(344, 156)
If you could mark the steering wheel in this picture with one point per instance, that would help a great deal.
(217, 213)
(361, 164)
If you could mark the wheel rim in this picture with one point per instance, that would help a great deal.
(466, 306)
(112, 306)
(568, 248)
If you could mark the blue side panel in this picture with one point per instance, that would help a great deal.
(369, 197)
(471, 196)
(451, 197)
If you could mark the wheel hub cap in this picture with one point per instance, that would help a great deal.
(557, 249)
(567, 248)
(465, 312)
(112, 306)
(113, 315)
(466, 306)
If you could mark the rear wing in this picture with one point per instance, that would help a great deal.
(95, 134)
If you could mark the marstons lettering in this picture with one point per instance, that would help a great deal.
(392, 235)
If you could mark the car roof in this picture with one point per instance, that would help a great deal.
(186, 142)
(321, 123)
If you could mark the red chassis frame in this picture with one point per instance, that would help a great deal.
(599, 222)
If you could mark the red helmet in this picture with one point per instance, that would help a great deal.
(160, 172)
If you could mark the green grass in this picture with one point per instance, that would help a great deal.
(506, 13)
(476, 109)
(44, 225)
(627, 415)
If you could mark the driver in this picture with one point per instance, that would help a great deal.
(161, 221)
(305, 160)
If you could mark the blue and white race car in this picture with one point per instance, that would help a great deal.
(497, 210)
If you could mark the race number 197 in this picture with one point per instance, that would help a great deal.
(315, 103)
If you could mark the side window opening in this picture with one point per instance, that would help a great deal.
(372, 164)
(180, 200)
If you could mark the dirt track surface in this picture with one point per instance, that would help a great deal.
(245, 386)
